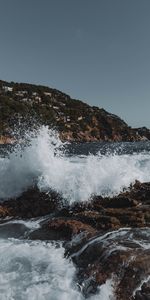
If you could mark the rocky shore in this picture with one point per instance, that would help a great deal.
(101, 236)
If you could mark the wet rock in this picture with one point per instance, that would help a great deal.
(5, 211)
(120, 201)
(67, 228)
(134, 273)
(130, 208)
(143, 293)
(115, 254)
(94, 237)
(98, 220)
(32, 203)
(146, 287)
(140, 192)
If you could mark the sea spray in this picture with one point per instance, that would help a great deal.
(35, 268)
(41, 160)
(39, 270)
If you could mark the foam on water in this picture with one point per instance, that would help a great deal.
(38, 270)
(43, 161)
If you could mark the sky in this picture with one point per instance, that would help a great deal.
(94, 50)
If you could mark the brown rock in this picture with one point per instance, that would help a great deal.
(68, 228)
(32, 203)
(5, 211)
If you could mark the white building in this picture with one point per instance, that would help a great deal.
(47, 94)
(7, 88)
(55, 107)
(38, 99)
(21, 93)
(67, 119)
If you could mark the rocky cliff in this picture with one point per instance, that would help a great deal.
(74, 119)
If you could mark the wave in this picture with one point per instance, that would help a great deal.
(46, 276)
(43, 161)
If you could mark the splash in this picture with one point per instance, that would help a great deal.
(42, 161)
(39, 270)
(35, 268)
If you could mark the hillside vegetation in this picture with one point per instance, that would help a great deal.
(74, 119)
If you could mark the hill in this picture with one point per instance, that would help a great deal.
(74, 119)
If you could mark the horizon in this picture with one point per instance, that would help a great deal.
(96, 52)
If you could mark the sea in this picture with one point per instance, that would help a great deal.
(39, 270)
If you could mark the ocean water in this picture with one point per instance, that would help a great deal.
(38, 269)
(77, 172)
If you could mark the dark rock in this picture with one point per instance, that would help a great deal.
(32, 203)
(129, 209)
(146, 287)
(104, 257)
(93, 237)
(143, 293)
(140, 192)
(65, 228)
(121, 202)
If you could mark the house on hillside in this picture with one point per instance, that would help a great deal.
(80, 118)
(21, 93)
(66, 119)
(7, 88)
(38, 99)
(56, 107)
(34, 94)
(47, 94)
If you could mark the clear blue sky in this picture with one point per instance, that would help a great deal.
(94, 50)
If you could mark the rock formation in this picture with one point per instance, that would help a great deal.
(102, 237)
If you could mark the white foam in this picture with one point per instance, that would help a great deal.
(106, 291)
(77, 178)
(39, 271)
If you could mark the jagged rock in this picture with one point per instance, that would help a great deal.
(127, 209)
